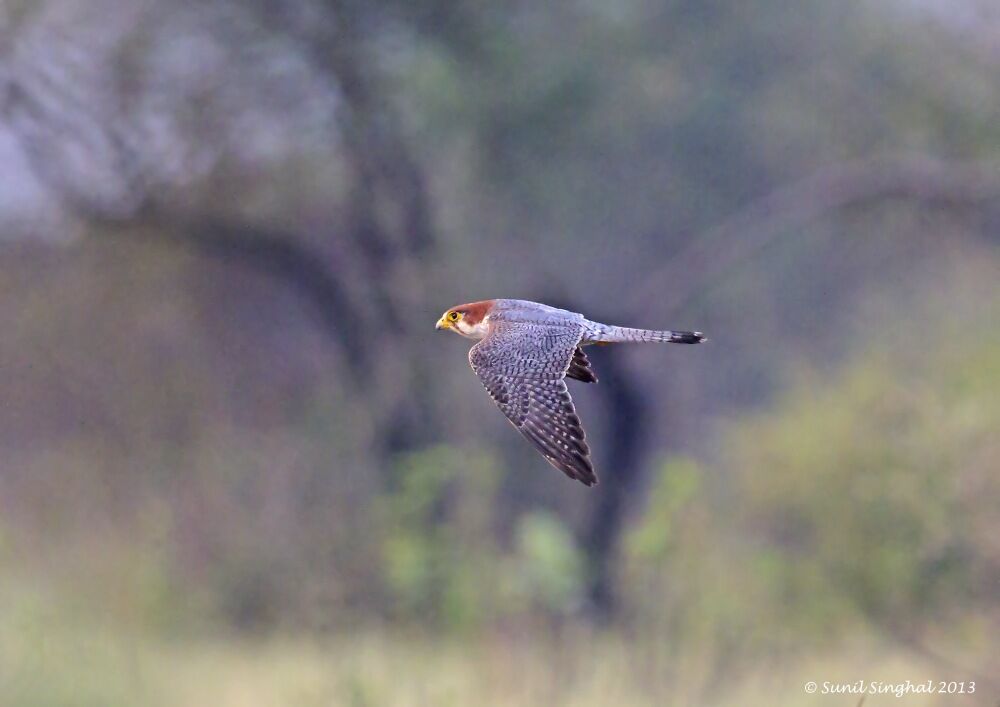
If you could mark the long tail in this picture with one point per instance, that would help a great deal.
(606, 334)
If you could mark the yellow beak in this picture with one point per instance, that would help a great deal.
(442, 323)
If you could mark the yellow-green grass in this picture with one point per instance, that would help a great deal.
(82, 662)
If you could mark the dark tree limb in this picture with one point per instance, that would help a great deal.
(273, 252)
(383, 173)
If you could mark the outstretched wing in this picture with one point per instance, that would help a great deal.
(523, 366)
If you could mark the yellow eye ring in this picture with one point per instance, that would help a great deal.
(453, 316)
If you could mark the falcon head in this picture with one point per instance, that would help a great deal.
(470, 320)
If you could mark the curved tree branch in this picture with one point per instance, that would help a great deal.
(751, 229)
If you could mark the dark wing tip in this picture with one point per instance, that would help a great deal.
(565, 450)
(578, 469)
(578, 466)
(687, 337)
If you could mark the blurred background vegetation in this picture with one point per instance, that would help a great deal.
(237, 467)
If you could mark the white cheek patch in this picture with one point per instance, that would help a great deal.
(473, 331)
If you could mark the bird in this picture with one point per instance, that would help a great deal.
(524, 353)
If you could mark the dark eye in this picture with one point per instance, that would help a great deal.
(453, 316)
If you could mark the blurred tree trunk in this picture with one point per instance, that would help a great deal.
(389, 222)
(622, 464)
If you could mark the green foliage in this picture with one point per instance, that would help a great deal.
(442, 559)
(677, 486)
(862, 498)
(862, 487)
(549, 563)
(686, 581)
(438, 550)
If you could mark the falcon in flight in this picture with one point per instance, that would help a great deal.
(526, 350)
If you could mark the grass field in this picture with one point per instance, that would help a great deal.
(80, 662)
